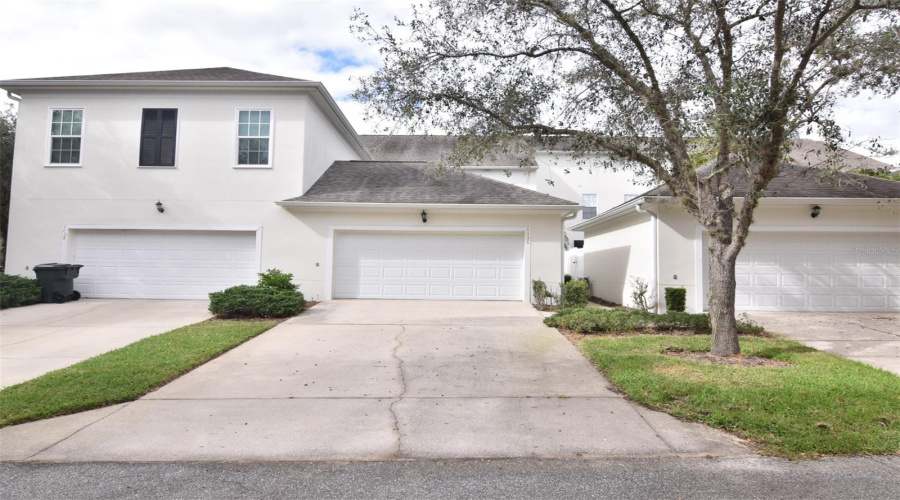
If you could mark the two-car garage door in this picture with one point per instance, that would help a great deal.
(162, 264)
(819, 272)
(425, 265)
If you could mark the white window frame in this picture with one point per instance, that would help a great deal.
(238, 137)
(48, 150)
(585, 205)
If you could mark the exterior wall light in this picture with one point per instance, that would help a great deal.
(815, 211)
(424, 216)
(159, 207)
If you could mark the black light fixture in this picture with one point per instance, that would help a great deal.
(424, 216)
(815, 211)
(159, 207)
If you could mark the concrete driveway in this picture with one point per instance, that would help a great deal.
(379, 380)
(41, 338)
(872, 338)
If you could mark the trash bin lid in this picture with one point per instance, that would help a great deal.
(57, 265)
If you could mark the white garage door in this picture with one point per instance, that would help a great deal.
(163, 264)
(429, 266)
(819, 272)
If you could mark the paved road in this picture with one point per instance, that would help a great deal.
(744, 478)
(380, 380)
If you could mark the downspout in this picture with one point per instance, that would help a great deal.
(654, 228)
(562, 248)
(13, 97)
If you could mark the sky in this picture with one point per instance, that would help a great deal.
(301, 39)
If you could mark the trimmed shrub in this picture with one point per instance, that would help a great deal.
(676, 299)
(567, 278)
(591, 320)
(256, 302)
(18, 291)
(575, 293)
(275, 278)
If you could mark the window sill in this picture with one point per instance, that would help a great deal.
(62, 165)
(158, 166)
(252, 167)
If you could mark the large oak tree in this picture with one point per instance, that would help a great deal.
(700, 95)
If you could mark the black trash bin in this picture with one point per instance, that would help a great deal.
(56, 282)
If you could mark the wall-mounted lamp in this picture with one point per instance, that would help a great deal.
(815, 211)
(159, 207)
(424, 216)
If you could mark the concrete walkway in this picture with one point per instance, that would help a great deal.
(872, 338)
(41, 338)
(379, 380)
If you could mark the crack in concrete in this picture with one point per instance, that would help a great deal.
(104, 417)
(397, 346)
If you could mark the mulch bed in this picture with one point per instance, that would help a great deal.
(738, 360)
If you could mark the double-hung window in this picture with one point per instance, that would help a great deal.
(254, 137)
(158, 132)
(65, 136)
(589, 202)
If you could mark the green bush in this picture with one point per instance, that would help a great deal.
(591, 320)
(256, 302)
(575, 293)
(18, 291)
(275, 278)
(676, 299)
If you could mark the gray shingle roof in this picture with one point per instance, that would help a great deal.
(223, 74)
(416, 182)
(434, 148)
(806, 182)
(812, 153)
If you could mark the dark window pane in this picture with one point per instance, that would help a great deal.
(169, 120)
(76, 143)
(243, 158)
(254, 158)
(254, 131)
(66, 129)
(55, 128)
(264, 117)
(66, 144)
(264, 158)
(56, 144)
(263, 144)
(64, 156)
(76, 156)
(167, 152)
(244, 117)
(244, 144)
(57, 115)
(254, 117)
(264, 130)
(243, 130)
(254, 144)
(54, 156)
(76, 115)
(67, 115)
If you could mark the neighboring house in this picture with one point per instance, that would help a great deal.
(175, 184)
(815, 245)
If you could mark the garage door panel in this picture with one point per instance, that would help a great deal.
(162, 264)
(819, 271)
(429, 266)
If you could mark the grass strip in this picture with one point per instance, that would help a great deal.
(124, 374)
(822, 404)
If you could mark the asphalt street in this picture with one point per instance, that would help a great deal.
(745, 478)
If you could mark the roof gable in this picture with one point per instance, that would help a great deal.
(416, 182)
(222, 74)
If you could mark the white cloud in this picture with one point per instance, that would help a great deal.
(284, 38)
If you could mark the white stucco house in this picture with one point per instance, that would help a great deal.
(815, 245)
(174, 184)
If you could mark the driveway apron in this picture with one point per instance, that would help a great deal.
(379, 380)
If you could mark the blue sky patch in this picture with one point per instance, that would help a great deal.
(334, 62)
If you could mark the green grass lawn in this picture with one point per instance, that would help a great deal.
(124, 374)
(821, 404)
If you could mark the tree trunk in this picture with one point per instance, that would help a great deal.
(721, 301)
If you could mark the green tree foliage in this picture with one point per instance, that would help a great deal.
(638, 81)
(7, 144)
